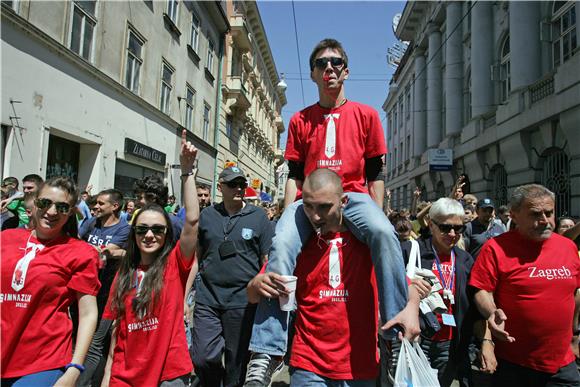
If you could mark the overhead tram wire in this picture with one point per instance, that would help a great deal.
(298, 52)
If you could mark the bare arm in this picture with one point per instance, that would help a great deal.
(114, 251)
(377, 191)
(87, 324)
(188, 286)
(107, 374)
(416, 195)
(188, 239)
(573, 232)
(388, 210)
(292, 187)
(421, 215)
(408, 318)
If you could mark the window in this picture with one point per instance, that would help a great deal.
(401, 108)
(83, 28)
(401, 155)
(499, 185)
(395, 120)
(12, 4)
(408, 98)
(194, 39)
(504, 69)
(467, 98)
(134, 62)
(189, 107)
(166, 86)
(229, 125)
(172, 10)
(408, 147)
(209, 61)
(390, 126)
(556, 177)
(206, 118)
(236, 68)
(564, 31)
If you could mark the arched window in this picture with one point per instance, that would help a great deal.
(504, 69)
(556, 177)
(564, 39)
(499, 184)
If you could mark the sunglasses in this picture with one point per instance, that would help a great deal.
(446, 228)
(45, 204)
(236, 184)
(155, 229)
(321, 63)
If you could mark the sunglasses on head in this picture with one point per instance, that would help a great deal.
(321, 63)
(446, 228)
(236, 184)
(155, 229)
(45, 204)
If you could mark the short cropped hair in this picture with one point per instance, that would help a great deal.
(33, 177)
(444, 208)
(115, 196)
(333, 44)
(529, 191)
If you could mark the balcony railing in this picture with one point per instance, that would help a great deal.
(542, 89)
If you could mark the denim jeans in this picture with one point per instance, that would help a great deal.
(303, 378)
(39, 379)
(368, 224)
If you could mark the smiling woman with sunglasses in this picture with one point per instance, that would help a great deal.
(44, 270)
(447, 348)
(148, 344)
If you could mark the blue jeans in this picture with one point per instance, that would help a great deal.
(368, 224)
(303, 378)
(39, 379)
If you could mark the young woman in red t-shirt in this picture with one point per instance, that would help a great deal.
(44, 270)
(148, 345)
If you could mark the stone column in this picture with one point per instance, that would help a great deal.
(453, 69)
(524, 42)
(434, 87)
(481, 57)
(419, 105)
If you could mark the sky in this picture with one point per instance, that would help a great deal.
(365, 31)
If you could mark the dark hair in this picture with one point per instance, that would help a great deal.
(323, 45)
(115, 196)
(402, 224)
(148, 296)
(67, 185)
(202, 186)
(91, 201)
(469, 207)
(127, 203)
(84, 193)
(563, 218)
(153, 189)
(502, 209)
(33, 177)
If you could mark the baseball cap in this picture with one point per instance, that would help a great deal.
(485, 203)
(231, 173)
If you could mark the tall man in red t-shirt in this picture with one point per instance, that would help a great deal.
(527, 281)
(346, 137)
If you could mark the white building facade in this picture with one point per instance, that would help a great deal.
(498, 84)
(100, 90)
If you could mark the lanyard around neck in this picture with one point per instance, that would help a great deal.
(448, 286)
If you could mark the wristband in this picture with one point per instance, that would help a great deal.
(188, 174)
(79, 367)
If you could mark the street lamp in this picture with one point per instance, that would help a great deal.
(282, 86)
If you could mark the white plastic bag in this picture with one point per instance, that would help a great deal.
(414, 259)
(413, 368)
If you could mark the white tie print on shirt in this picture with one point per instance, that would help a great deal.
(334, 277)
(330, 145)
(21, 269)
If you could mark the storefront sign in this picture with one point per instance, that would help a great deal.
(440, 159)
(144, 152)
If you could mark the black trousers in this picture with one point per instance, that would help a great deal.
(513, 375)
(217, 333)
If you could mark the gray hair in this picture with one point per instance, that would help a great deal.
(528, 191)
(446, 207)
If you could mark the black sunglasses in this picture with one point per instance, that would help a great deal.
(446, 228)
(321, 63)
(45, 204)
(236, 184)
(155, 229)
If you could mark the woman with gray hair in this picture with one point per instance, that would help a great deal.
(447, 349)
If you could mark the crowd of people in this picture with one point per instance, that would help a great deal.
(105, 290)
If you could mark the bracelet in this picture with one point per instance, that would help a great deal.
(79, 367)
(188, 174)
(488, 340)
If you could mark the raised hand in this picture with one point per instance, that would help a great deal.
(188, 153)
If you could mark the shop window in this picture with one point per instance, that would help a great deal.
(63, 158)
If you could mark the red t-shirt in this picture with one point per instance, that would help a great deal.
(534, 284)
(446, 331)
(153, 349)
(336, 325)
(37, 290)
(358, 135)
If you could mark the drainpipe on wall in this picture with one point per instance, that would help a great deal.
(218, 99)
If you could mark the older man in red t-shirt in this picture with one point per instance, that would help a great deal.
(527, 281)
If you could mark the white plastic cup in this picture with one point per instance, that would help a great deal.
(288, 303)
